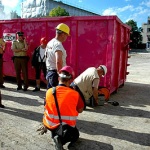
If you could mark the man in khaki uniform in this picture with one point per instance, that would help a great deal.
(2, 49)
(20, 48)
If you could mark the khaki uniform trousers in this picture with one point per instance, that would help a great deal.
(21, 66)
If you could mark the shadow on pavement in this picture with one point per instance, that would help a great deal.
(95, 128)
(132, 98)
(22, 100)
(135, 94)
(27, 114)
(120, 111)
(86, 144)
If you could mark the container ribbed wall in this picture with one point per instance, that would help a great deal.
(94, 40)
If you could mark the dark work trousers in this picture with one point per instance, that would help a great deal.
(21, 66)
(1, 70)
(74, 86)
(72, 136)
(52, 78)
(40, 66)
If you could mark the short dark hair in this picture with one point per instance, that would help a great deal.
(20, 33)
(59, 31)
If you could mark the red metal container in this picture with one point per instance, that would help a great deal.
(94, 40)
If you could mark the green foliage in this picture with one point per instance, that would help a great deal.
(58, 11)
(135, 35)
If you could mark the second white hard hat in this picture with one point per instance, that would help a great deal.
(104, 69)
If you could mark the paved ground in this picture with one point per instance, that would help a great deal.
(124, 127)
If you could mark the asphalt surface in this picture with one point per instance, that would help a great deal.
(107, 127)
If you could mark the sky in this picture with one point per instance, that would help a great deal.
(137, 10)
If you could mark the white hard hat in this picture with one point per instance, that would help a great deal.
(104, 69)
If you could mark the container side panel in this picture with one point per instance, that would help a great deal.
(93, 41)
(9, 30)
(92, 44)
(115, 57)
(122, 68)
(33, 32)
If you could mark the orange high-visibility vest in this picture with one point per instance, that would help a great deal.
(67, 100)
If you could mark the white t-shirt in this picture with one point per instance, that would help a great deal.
(51, 48)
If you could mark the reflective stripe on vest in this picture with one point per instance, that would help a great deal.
(52, 125)
(72, 118)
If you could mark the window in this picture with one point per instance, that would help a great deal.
(148, 29)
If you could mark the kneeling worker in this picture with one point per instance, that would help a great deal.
(70, 104)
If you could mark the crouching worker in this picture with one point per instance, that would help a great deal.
(69, 104)
(87, 83)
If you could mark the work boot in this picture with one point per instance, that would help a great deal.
(25, 89)
(36, 89)
(58, 145)
(19, 88)
(2, 106)
(2, 86)
(74, 145)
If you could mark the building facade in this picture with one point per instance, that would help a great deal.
(41, 8)
(146, 31)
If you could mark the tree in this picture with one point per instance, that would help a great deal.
(135, 35)
(14, 15)
(58, 11)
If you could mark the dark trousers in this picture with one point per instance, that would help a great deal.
(40, 66)
(74, 86)
(0, 98)
(73, 135)
(21, 65)
(1, 71)
(52, 78)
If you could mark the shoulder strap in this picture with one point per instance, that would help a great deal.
(35, 56)
(38, 50)
(56, 102)
(40, 55)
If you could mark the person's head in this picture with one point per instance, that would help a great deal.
(66, 75)
(62, 32)
(102, 70)
(43, 42)
(20, 35)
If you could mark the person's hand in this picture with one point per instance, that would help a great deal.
(24, 40)
(42, 130)
(24, 49)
